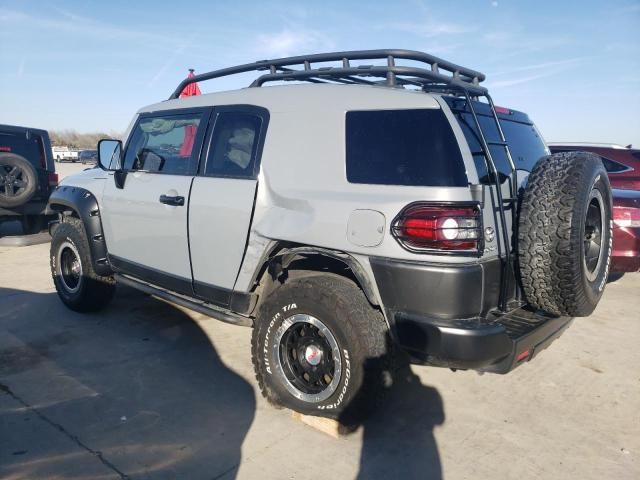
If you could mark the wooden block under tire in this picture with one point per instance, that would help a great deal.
(328, 426)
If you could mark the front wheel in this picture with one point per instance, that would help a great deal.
(78, 285)
(320, 348)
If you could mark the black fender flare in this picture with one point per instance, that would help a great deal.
(85, 205)
(287, 255)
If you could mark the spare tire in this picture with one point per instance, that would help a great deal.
(18, 180)
(565, 233)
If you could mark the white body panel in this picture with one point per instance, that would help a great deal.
(140, 229)
(219, 218)
(303, 195)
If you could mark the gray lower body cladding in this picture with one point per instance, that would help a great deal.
(440, 316)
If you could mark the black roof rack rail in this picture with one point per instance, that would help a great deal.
(434, 74)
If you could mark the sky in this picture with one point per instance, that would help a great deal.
(573, 66)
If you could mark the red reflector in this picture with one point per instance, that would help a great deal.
(438, 227)
(504, 110)
(5, 149)
(522, 355)
(53, 179)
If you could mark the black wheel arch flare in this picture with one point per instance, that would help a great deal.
(84, 204)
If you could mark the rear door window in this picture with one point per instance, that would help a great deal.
(402, 147)
(234, 145)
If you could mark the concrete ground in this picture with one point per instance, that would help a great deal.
(148, 390)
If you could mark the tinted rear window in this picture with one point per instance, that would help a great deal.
(31, 148)
(524, 141)
(403, 147)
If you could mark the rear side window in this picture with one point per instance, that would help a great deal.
(234, 145)
(525, 143)
(612, 166)
(30, 148)
(403, 147)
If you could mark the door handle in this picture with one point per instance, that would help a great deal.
(175, 201)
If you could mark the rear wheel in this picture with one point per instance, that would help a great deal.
(18, 180)
(320, 348)
(76, 282)
(565, 233)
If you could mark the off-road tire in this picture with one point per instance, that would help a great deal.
(93, 292)
(359, 330)
(552, 236)
(26, 174)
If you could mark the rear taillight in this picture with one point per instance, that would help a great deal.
(626, 216)
(53, 179)
(428, 227)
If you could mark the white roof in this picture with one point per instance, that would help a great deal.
(281, 98)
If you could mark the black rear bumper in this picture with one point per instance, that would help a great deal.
(444, 315)
(490, 346)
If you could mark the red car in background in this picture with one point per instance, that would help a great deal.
(622, 163)
(626, 231)
(623, 167)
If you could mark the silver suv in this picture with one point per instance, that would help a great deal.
(361, 216)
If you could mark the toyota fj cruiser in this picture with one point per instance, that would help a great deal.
(27, 176)
(362, 210)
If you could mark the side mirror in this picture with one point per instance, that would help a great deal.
(110, 158)
(110, 154)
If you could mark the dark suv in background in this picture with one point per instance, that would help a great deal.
(88, 157)
(27, 176)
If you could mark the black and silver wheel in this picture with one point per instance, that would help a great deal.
(18, 180)
(306, 355)
(69, 267)
(565, 233)
(76, 282)
(594, 233)
(320, 348)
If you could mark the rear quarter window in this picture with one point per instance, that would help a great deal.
(525, 144)
(30, 148)
(402, 147)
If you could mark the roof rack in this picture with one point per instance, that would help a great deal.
(431, 74)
